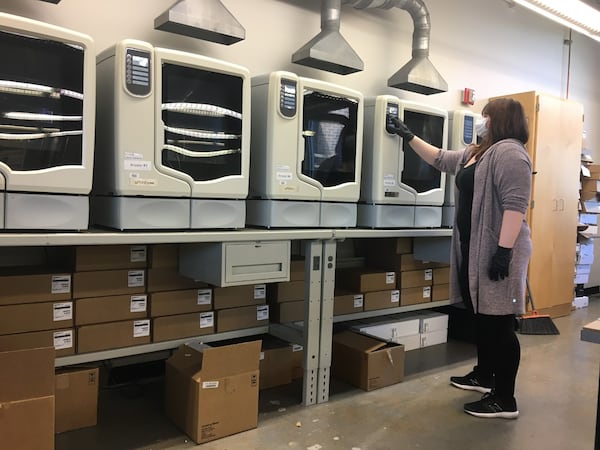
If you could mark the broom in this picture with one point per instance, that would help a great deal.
(535, 323)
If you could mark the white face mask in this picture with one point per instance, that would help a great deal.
(481, 127)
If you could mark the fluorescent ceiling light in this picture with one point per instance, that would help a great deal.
(574, 14)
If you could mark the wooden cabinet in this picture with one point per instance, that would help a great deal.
(555, 127)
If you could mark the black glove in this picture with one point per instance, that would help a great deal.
(394, 125)
(499, 265)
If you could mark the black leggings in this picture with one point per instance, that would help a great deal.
(498, 351)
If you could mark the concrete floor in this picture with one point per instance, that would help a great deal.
(557, 390)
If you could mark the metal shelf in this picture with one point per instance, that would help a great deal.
(104, 237)
(351, 233)
(114, 237)
(388, 311)
(156, 347)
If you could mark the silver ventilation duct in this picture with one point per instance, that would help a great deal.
(329, 50)
(418, 75)
(208, 20)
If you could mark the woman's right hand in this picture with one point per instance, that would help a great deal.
(398, 127)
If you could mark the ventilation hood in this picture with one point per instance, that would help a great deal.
(329, 51)
(418, 75)
(208, 20)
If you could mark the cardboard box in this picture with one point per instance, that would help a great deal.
(110, 257)
(347, 303)
(297, 361)
(163, 255)
(180, 326)
(275, 362)
(76, 397)
(441, 275)
(434, 338)
(241, 318)
(27, 399)
(107, 336)
(440, 292)
(34, 288)
(184, 301)
(415, 278)
(287, 291)
(234, 296)
(63, 341)
(168, 279)
(213, 392)
(381, 300)
(392, 328)
(364, 280)
(287, 312)
(408, 262)
(103, 283)
(35, 317)
(414, 296)
(366, 362)
(297, 268)
(111, 309)
(388, 246)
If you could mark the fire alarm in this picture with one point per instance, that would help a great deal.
(468, 96)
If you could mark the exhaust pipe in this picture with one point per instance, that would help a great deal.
(418, 75)
(329, 50)
(208, 20)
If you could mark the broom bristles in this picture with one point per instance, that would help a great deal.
(537, 324)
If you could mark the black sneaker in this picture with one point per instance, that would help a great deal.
(472, 382)
(491, 406)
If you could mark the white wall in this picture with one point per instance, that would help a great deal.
(508, 50)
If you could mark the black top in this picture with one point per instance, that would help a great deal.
(465, 181)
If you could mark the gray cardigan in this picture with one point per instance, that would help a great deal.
(502, 182)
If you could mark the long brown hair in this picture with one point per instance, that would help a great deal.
(507, 120)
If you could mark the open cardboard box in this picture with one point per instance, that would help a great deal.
(366, 362)
(212, 392)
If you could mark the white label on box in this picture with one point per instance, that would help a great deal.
(63, 339)
(390, 277)
(585, 171)
(262, 356)
(359, 301)
(137, 253)
(428, 274)
(207, 319)
(62, 311)
(262, 312)
(210, 384)
(138, 303)
(427, 292)
(297, 348)
(141, 328)
(204, 297)
(135, 278)
(61, 284)
(260, 291)
(395, 296)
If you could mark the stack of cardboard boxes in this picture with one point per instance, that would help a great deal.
(109, 291)
(36, 310)
(391, 278)
(286, 299)
(589, 208)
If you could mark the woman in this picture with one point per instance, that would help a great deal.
(491, 246)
